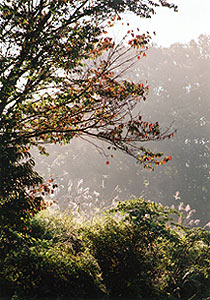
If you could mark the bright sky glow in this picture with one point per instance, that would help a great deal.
(192, 19)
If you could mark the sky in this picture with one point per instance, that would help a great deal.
(191, 20)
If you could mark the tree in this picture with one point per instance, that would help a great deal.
(59, 81)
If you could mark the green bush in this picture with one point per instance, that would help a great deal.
(46, 265)
(134, 250)
(129, 247)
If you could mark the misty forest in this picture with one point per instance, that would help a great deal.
(104, 155)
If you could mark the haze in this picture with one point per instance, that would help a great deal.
(179, 91)
(191, 20)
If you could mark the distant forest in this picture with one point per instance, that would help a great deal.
(179, 96)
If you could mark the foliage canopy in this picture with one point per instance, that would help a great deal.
(61, 78)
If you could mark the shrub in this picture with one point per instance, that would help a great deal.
(135, 249)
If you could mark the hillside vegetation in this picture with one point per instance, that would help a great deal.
(136, 250)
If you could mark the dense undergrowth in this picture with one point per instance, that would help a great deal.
(135, 250)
